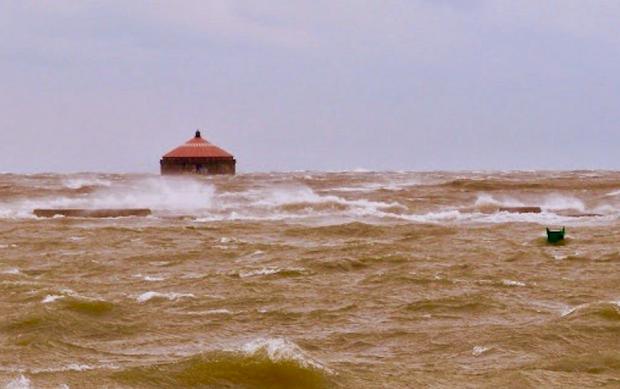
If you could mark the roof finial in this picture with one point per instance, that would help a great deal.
(197, 133)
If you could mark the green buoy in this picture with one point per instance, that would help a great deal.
(555, 236)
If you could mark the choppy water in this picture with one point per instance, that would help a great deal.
(311, 280)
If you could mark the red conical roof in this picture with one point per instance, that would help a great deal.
(197, 147)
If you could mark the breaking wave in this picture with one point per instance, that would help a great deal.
(548, 202)
(264, 362)
(318, 198)
(595, 362)
(400, 273)
(20, 382)
(607, 310)
(86, 182)
(171, 296)
(159, 194)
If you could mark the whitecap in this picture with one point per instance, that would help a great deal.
(548, 203)
(154, 278)
(279, 349)
(513, 283)
(50, 298)
(7, 246)
(569, 310)
(222, 311)
(20, 382)
(613, 193)
(178, 194)
(485, 200)
(12, 270)
(375, 186)
(149, 278)
(78, 367)
(76, 295)
(259, 272)
(78, 183)
(256, 254)
(559, 257)
(479, 350)
(192, 276)
(554, 202)
(70, 367)
(566, 310)
(146, 296)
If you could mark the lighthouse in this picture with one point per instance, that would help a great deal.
(198, 156)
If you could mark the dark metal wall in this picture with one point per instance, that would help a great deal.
(202, 166)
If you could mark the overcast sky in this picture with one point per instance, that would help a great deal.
(311, 85)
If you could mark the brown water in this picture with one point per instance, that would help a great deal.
(311, 280)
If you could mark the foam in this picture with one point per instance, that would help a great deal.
(188, 196)
(77, 296)
(68, 368)
(50, 298)
(84, 182)
(392, 185)
(457, 216)
(259, 272)
(287, 198)
(485, 199)
(153, 278)
(568, 310)
(218, 312)
(613, 193)
(556, 202)
(271, 204)
(548, 202)
(160, 194)
(512, 283)
(172, 296)
(280, 349)
(479, 350)
(20, 382)
(279, 196)
(150, 278)
(269, 271)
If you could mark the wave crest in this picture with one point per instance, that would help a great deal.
(261, 363)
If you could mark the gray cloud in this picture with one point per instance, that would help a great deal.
(310, 85)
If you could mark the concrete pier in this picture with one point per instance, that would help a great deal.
(521, 209)
(94, 213)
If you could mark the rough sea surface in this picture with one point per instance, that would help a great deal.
(311, 280)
